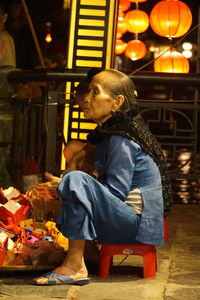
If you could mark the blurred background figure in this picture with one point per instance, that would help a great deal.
(7, 61)
(7, 47)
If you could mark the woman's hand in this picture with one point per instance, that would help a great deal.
(46, 190)
(83, 160)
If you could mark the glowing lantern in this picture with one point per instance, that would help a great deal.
(170, 18)
(48, 38)
(136, 49)
(121, 27)
(172, 62)
(120, 47)
(120, 14)
(187, 53)
(137, 1)
(137, 21)
(124, 5)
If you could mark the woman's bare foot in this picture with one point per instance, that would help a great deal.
(66, 270)
(73, 265)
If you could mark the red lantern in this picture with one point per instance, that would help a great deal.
(172, 62)
(170, 18)
(120, 14)
(137, 1)
(124, 5)
(121, 27)
(137, 21)
(120, 47)
(136, 49)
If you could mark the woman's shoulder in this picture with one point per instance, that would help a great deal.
(117, 140)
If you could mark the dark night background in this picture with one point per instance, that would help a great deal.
(41, 13)
(55, 52)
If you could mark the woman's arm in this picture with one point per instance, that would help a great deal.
(78, 160)
(82, 159)
(118, 164)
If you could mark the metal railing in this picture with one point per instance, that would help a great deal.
(175, 122)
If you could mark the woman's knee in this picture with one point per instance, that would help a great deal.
(75, 175)
(71, 181)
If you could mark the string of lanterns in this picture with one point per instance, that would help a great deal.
(168, 18)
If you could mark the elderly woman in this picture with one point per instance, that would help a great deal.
(125, 203)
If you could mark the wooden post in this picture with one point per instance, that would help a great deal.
(33, 33)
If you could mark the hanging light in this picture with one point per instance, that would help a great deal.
(170, 18)
(120, 47)
(137, 21)
(121, 27)
(137, 1)
(171, 62)
(135, 50)
(120, 14)
(48, 38)
(187, 46)
(124, 5)
(187, 53)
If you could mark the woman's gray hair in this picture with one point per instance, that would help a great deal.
(121, 84)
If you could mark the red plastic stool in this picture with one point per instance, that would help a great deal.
(148, 253)
(166, 235)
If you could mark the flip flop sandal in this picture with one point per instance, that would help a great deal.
(57, 279)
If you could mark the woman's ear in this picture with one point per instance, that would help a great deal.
(119, 100)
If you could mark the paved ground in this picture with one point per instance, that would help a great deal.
(178, 275)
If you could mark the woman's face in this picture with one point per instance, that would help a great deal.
(98, 104)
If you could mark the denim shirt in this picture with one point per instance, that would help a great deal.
(122, 166)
